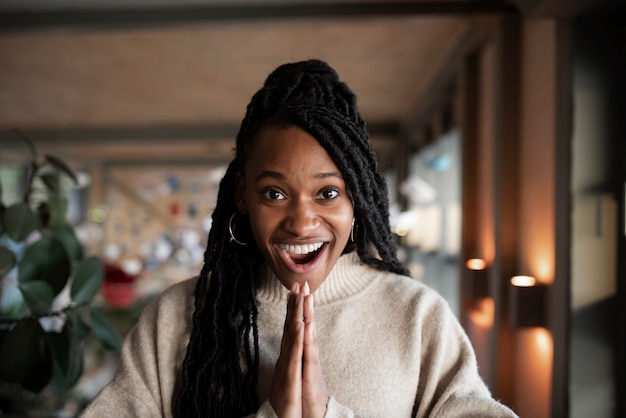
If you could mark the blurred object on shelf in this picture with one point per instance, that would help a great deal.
(119, 286)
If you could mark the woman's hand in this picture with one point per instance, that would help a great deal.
(286, 393)
(314, 391)
(299, 389)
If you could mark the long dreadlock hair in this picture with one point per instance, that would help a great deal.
(221, 367)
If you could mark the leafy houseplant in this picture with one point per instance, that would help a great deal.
(46, 285)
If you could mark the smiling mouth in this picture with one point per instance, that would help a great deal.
(302, 254)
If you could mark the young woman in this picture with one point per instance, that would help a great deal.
(302, 308)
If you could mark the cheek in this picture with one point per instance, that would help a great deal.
(263, 224)
(342, 220)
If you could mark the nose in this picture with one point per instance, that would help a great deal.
(301, 218)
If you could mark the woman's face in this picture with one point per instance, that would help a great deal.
(299, 209)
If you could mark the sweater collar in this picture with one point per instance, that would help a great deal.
(348, 277)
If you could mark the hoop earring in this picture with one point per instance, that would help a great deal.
(352, 231)
(231, 231)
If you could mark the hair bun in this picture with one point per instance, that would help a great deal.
(310, 84)
(313, 70)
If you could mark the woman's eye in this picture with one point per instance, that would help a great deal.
(273, 195)
(329, 194)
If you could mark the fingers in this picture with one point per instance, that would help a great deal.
(314, 391)
(286, 392)
(298, 387)
(293, 338)
(310, 349)
(293, 319)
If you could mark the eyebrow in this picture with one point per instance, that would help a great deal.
(279, 176)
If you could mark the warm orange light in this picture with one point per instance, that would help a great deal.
(523, 281)
(543, 342)
(476, 264)
(482, 313)
(533, 372)
(543, 268)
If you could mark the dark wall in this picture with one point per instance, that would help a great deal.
(598, 327)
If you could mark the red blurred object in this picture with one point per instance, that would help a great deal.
(174, 210)
(118, 288)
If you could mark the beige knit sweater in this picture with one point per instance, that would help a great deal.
(389, 346)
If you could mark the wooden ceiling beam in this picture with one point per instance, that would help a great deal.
(134, 16)
(153, 133)
(153, 144)
(566, 9)
(441, 90)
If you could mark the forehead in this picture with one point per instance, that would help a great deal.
(287, 149)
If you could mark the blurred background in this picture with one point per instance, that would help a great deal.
(499, 125)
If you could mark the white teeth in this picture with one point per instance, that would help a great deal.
(302, 249)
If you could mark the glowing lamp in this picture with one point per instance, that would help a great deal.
(477, 278)
(527, 302)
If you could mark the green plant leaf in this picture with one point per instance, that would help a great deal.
(68, 357)
(43, 212)
(28, 142)
(61, 343)
(42, 374)
(7, 260)
(66, 235)
(45, 260)
(19, 348)
(20, 221)
(12, 304)
(87, 280)
(2, 209)
(62, 381)
(38, 296)
(81, 329)
(104, 331)
(58, 209)
(25, 356)
(60, 165)
(52, 183)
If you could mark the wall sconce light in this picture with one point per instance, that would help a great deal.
(478, 278)
(527, 302)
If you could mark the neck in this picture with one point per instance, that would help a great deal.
(348, 276)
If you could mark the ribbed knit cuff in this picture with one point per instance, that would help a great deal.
(335, 410)
(265, 411)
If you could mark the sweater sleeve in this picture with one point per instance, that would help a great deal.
(146, 379)
(449, 383)
(116, 400)
(132, 391)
